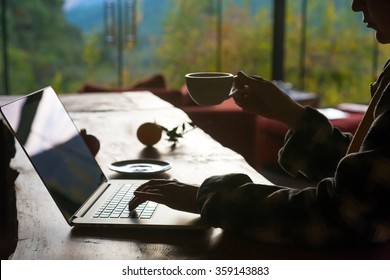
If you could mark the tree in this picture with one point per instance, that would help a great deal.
(42, 46)
(339, 58)
(189, 43)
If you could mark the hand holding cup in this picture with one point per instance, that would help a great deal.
(210, 88)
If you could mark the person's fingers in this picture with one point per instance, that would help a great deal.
(241, 97)
(135, 202)
(140, 197)
(239, 81)
(149, 195)
(249, 79)
(154, 183)
(257, 78)
(161, 196)
(154, 188)
(142, 193)
(242, 75)
(158, 197)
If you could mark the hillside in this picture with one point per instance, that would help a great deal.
(88, 16)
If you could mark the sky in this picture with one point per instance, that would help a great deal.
(70, 4)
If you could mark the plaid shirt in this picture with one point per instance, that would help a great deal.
(351, 202)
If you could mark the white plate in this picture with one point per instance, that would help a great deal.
(140, 166)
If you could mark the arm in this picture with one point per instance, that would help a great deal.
(350, 206)
(267, 213)
(314, 148)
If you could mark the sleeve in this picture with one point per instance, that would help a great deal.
(352, 205)
(314, 148)
(267, 213)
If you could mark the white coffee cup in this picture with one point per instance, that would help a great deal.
(210, 88)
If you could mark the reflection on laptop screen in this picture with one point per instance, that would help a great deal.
(55, 147)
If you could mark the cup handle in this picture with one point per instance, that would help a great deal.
(232, 92)
(233, 89)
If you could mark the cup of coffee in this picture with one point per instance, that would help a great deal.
(210, 88)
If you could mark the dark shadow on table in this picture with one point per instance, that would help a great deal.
(217, 244)
(150, 153)
(175, 243)
(231, 246)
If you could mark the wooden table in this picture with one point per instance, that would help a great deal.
(114, 119)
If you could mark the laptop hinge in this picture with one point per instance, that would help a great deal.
(90, 202)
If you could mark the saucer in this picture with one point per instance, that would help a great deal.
(140, 166)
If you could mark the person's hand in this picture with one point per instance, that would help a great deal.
(255, 94)
(172, 193)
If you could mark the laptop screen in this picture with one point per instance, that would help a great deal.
(55, 148)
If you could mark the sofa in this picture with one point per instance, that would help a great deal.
(256, 138)
(155, 84)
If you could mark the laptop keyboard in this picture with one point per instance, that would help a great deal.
(116, 206)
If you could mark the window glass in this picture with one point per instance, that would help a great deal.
(116, 43)
(338, 57)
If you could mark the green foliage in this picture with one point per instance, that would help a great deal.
(189, 42)
(92, 53)
(176, 133)
(340, 59)
(42, 46)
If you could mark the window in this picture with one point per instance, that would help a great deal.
(68, 43)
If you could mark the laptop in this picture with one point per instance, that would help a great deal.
(83, 194)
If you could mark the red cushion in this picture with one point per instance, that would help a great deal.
(229, 125)
(155, 81)
(87, 88)
(270, 138)
(155, 84)
(172, 96)
(349, 124)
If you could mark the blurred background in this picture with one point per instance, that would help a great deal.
(317, 46)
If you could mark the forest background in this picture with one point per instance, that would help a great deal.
(50, 43)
